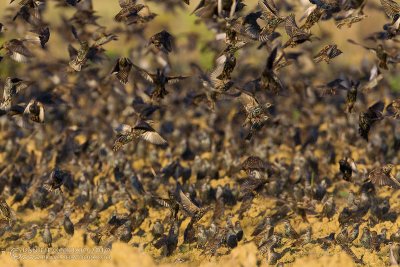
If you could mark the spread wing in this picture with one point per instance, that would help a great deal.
(144, 73)
(187, 204)
(248, 102)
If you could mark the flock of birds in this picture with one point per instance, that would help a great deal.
(283, 132)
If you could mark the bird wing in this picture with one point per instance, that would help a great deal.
(248, 102)
(153, 138)
(175, 79)
(187, 204)
(145, 74)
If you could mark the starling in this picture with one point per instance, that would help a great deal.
(353, 234)
(34, 111)
(264, 226)
(369, 118)
(296, 35)
(393, 109)
(225, 66)
(46, 236)
(327, 53)
(17, 50)
(168, 243)
(170, 203)
(382, 176)
(132, 12)
(250, 186)
(392, 9)
(314, 14)
(270, 16)
(159, 80)
(12, 87)
(57, 179)
(231, 238)
(40, 35)
(394, 253)
(6, 211)
(239, 231)
(256, 114)
(247, 28)
(163, 41)
(365, 239)
(158, 229)
(31, 234)
(137, 185)
(189, 235)
(350, 20)
(124, 232)
(253, 163)
(141, 130)
(351, 96)
(190, 208)
(122, 68)
(329, 208)
(331, 6)
(79, 58)
(343, 236)
(68, 225)
(347, 166)
(289, 230)
(269, 79)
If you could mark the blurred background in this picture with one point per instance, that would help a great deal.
(180, 22)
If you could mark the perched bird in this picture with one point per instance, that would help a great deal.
(31, 234)
(289, 230)
(158, 229)
(328, 208)
(365, 239)
(394, 253)
(6, 211)
(68, 225)
(382, 176)
(141, 130)
(46, 236)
